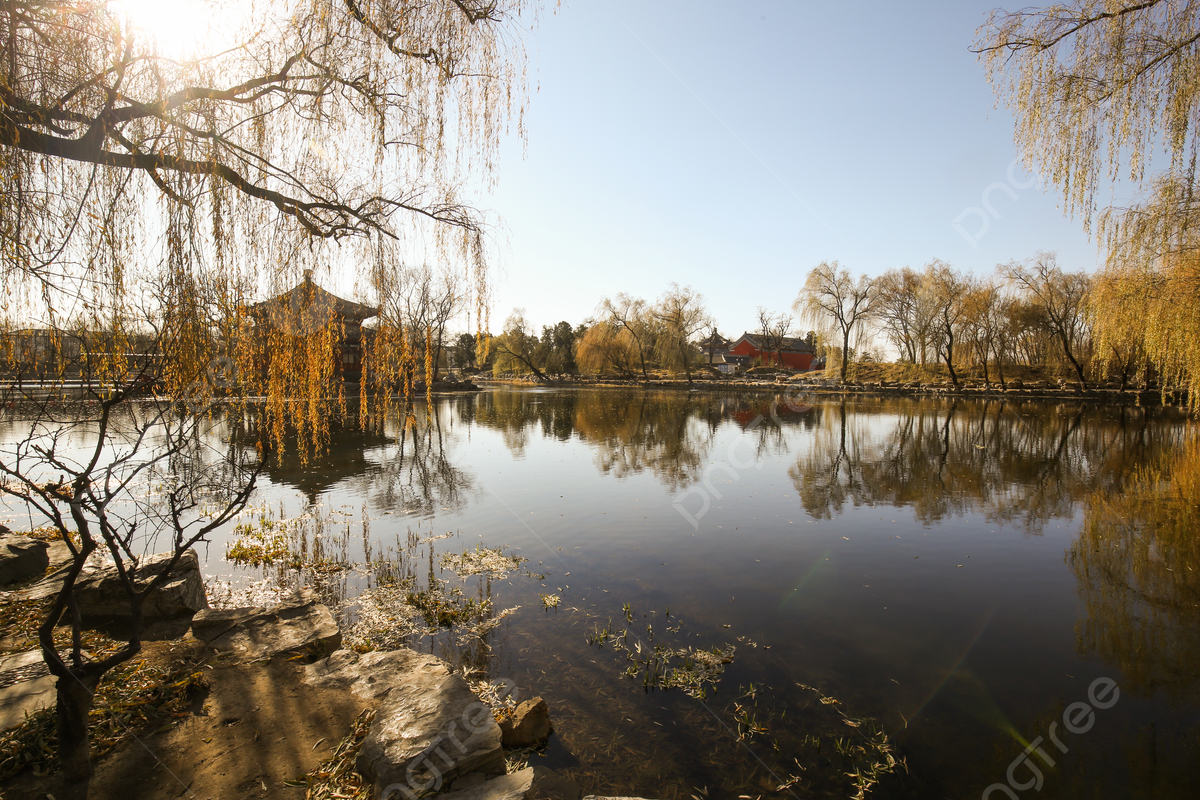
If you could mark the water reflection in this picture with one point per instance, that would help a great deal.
(959, 664)
(405, 464)
(1137, 561)
(667, 434)
(1014, 463)
(1026, 463)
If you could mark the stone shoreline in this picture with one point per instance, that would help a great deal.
(821, 387)
(280, 672)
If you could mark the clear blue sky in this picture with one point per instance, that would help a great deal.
(734, 146)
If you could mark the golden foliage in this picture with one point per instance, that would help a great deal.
(1137, 561)
(606, 347)
(1152, 310)
(203, 182)
(1097, 87)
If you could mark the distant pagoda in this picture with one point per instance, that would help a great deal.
(306, 309)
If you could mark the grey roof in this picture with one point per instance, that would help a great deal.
(307, 296)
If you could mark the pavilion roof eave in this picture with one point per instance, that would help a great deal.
(307, 294)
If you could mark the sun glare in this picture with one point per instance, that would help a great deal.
(184, 28)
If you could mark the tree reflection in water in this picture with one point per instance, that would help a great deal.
(1127, 473)
(419, 477)
(403, 463)
(1011, 462)
(668, 434)
(1137, 561)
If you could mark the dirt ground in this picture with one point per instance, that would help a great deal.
(247, 730)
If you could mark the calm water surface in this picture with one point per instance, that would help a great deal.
(919, 561)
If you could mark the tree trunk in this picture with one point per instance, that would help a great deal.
(845, 352)
(950, 358)
(537, 373)
(1071, 357)
(75, 694)
(1000, 371)
(1125, 364)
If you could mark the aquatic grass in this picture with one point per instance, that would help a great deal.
(490, 561)
(48, 534)
(404, 608)
(308, 543)
(690, 669)
(258, 550)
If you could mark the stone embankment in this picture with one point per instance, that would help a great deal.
(282, 693)
(1111, 392)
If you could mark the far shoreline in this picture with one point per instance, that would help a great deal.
(832, 387)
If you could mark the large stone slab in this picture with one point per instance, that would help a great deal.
(100, 593)
(25, 687)
(531, 783)
(22, 558)
(261, 632)
(429, 726)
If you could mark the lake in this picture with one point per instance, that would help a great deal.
(943, 578)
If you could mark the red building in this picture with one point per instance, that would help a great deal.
(792, 353)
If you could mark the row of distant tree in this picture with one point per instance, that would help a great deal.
(1027, 314)
(629, 336)
(1031, 313)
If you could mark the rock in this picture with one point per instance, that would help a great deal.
(598, 797)
(22, 558)
(25, 687)
(429, 726)
(99, 591)
(182, 593)
(549, 785)
(529, 725)
(257, 632)
(531, 783)
(506, 787)
(469, 781)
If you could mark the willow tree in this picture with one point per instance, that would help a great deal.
(1061, 298)
(607, 346)
(229, 168)
(632, 315)
(1106, 91)
(681, 315)
(199, 178)
(517, 347)
(906, 311)
(838, 303)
